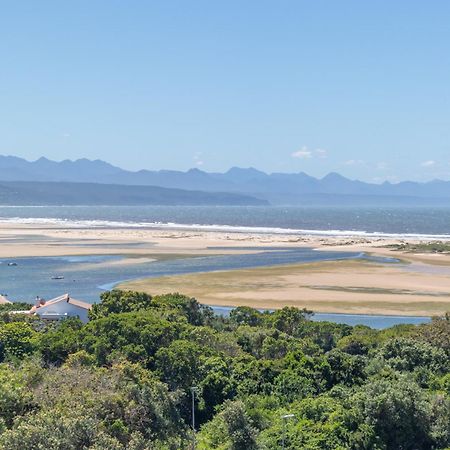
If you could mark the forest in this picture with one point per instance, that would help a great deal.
(165, 372)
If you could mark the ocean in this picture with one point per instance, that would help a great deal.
(339, 221)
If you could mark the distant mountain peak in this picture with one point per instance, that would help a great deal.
(240, 170)
(238, 174)
(43, 161)
(334, 176)
(279, 188)
(195, 170)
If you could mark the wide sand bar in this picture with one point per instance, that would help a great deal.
(420, 285)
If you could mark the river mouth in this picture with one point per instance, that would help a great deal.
(87, 276)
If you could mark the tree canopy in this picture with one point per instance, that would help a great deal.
(124, 380)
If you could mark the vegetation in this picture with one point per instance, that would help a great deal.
(422, 247)
(123, 381)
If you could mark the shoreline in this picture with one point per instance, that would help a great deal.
(56, 223)
(418, 286)
(377, 321)
(325, 287)
(230, 308)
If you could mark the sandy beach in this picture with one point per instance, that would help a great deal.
(419, 285)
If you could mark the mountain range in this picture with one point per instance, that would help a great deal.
(255, 186)
(65, 193)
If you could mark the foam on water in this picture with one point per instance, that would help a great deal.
(373, 222)
(68, 223)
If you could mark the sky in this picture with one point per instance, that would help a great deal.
(360, 88)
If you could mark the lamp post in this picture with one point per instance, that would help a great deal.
(194, 389)
(285, 418)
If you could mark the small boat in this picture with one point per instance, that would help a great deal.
(57, 277)
(12, 264)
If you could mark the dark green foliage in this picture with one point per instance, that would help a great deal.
(16, 306)
(76, 407)
(289, 319)
(244, 315)
(231, 427)
(195, 313)
(117, 301)
(401, 416)
(136, 336)
(123, 381)
(15, 399)
(215, 386)
(408, 354)
(179, 364)
(6, 308)
(436, 333)
(345, 369)
(57, 342)
(17, 339)
(422, 247)
(360, 342)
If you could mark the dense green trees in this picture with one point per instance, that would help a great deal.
(231, 428)
(75, 407)
(16, 340)
(123, 381)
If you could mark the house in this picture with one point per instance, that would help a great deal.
(61, 308)
(3, 300)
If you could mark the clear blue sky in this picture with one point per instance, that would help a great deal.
(358, 87)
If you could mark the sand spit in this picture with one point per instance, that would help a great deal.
(419, 285)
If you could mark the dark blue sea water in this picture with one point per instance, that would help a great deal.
(296, 220)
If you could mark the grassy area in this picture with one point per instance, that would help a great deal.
(422, 247)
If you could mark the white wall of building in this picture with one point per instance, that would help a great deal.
(63, 308)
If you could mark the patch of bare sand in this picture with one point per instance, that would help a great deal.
(422, 288)
(356, 287)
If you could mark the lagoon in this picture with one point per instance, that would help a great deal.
(85, 277)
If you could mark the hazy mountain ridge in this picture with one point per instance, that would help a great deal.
(280, 188)
(66, 193)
